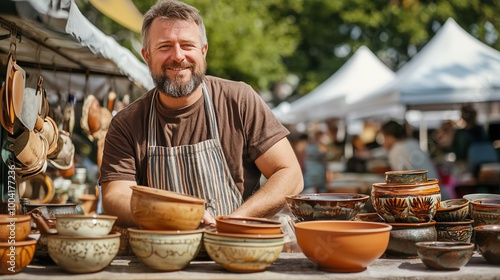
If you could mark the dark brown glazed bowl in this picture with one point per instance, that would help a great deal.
(452, 210)
(247, 225)
(486, 211)
(369, 217)
(454, 231)
(326, 206)
(442, 255)
(404, 236)
(487, 239)
(406, 176)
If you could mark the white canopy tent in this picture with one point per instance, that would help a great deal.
(360, 74)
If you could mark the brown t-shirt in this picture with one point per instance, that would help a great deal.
(247, 128)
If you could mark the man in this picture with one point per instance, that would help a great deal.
(195, 134)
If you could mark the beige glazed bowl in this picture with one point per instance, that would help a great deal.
(84, 225)
(79, 254)
(156, 209)
(165, 250)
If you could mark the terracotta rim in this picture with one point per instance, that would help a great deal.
(85, 216)
(214, 232)
(242, 221)
(431, 181)
(166, 232)
(380, 227)
(168, 194)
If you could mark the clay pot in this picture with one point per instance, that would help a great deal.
(452, 210)
(406, 203)
(487, 239)
(454, 231)
(24, 252)
(14, 227)
(406, 176)
(485, 211)
(247, 225)
(445, 255)
(404, 236)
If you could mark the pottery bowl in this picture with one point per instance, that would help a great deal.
(487, 239)
(326, 206)
(14, 227)
(165, 250)
(473, 196)
(452, 210)
(243, 252)
(406, 176)
(247, 225)
(442, 255)
(342, 246)
(24, 252)
(81, 254)
(156, 209)
(406, 203)
(84, 225)
(485, 211)
(404, 236)
(369, 217)
(455, 231)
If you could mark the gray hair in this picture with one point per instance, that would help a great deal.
(172, 9)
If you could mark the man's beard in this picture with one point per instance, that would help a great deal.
(176, 88)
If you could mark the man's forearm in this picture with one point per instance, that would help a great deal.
(118, 204)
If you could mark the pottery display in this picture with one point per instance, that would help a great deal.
(81, 254)
(404, 236)
(439, 255)
(487, 239)
(342, 246)
(455, 231)
(84, 225)
(165, 250)
(156, 209)
(452, 210)
(326, 206)
(485, 211)
(24, 252)
(14, 227)
(404, 177)
(243, 252)
(247, 225)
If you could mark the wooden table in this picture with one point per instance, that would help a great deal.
(288, 266)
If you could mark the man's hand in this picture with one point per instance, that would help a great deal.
(208, 221)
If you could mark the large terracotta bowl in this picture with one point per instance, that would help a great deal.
(326, 206)
(24, 252)
(14, 227)
(406, 203)
(486, 211)
(156, 209)
(243, 252)
(443, 255)
(342, 246)
(247, 225)
(487, 239)
(165, 250)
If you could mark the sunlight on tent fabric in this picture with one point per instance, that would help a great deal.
(124, 12)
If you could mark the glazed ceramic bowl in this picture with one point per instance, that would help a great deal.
(473, 196)
(342, 246)
(80, 254)
(485, 211)
(84, 225)
(487, 238)
(247, 225)
(404, 236)
(369, 217)
(243, 252)
(165, 250)
(442, 255)
(326, 206)
(452, 210)
(454, 231)
(406, 176)
(406, 203)
(156, 209)
(24, 252)
(14, 227)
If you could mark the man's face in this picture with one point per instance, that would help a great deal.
(176, 57)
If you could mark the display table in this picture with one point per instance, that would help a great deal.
(288, 266)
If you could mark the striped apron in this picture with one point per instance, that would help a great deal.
(200, 169)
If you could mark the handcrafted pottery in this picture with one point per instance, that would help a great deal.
(406, 203)
(80, 254)
(487, 239)
(452, 210)
(23, 252)
(404, 236)
(247, 225)
(14, 227)
(84, 225)
(165, 250)
(406, 176)
(369, 217)
(326, 206)
(243, 252)
(156, 209)
(473, 196)
(454, 231)
(445, 255)
(485, 211)
(342, 246)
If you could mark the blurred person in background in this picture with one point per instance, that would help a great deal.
(312, 154)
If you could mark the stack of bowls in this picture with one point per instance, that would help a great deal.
(408, 202)
(16, 248)
(452, 223)
(168, 238)
(244, 244)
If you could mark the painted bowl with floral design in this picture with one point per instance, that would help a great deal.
(406, 203)
(455, 231)
(452, 210)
